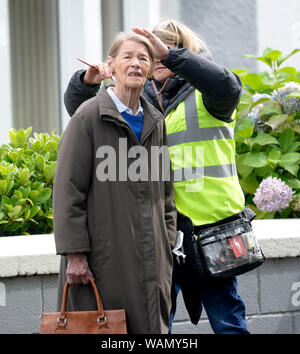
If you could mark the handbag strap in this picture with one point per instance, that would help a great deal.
(96, 292)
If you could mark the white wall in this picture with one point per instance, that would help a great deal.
(147, 13)
(170, 9)
(80, 36)
(5, 87)
(140, 13)
(279, 28)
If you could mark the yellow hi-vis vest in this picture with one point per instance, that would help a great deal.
(202, 151)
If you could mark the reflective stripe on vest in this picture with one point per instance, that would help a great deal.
(194, 133)
(206, 187)
(190, 173)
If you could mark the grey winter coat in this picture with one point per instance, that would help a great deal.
(126, 228)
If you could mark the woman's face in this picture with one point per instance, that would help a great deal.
(161, 72)
(131, 66)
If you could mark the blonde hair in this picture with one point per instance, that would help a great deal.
(123, 37)
(175, 32)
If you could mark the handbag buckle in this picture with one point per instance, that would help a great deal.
(102, 318)
(61, 321)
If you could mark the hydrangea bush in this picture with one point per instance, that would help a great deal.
(273, 195)
(268, 137)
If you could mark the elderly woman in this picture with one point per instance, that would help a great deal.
(109, 225)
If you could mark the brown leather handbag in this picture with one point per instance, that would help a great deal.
(84, 322)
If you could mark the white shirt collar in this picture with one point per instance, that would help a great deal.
(121, 106)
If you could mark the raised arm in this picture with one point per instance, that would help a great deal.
(84, 84)
(220, 88)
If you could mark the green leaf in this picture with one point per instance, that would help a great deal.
(284, 58)
(53, 169)
(35, 144)
(282, 77)
(267, 51)
(3, 187)
(33, 211)
(274, 55)
(292, 94)
(250, 184)
(269, 109)
(6, 201)
(289, 70)
(40, 197)
(38, 186)
(265, 139)
(254, 82)
(24, 176)
(269, 81)
(40, 162)
(24, 191)
(263, 59)
(46, 172)
(274, 157)
(246, 128)
(14, 139)
(243, 169)
(293, 147)
(256, 160)
(21, 136)
(286, 139)
(18, 194)
(240, 71)
(293, 169)
(14, 157)
(261, 100)
(276, 120)
(265, 171)
(33, 195)
(293, 183)
(16, 212)
(27, 214)
(49, 171)
(289, 159)
(28, 132)
(246, 99)
(49, 147)
(243, 111)
(49, 216)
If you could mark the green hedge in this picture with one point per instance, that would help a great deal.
(27, 170)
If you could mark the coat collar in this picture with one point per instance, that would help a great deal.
(108, 111)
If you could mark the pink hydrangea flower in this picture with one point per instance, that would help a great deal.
(273, 195)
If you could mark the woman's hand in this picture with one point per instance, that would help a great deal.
(78, 271)
(161, 51)
(94, 75)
